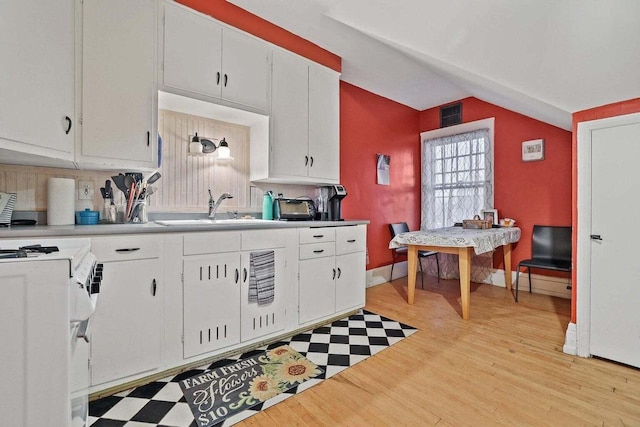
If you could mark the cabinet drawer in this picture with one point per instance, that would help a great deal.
(263, 239)
(126, 247)
(317, 250)
(211, 243)
(351, 239)
(317, 235)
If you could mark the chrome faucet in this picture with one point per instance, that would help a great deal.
(213, 205)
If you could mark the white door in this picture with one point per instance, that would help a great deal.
(615, 270)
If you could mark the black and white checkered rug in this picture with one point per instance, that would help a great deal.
(333, 347)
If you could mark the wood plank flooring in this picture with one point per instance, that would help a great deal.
(504, 366)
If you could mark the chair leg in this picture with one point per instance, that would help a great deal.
(438, 266)
(517, 280)
(529, 270)
(392, 264)
(421, 272)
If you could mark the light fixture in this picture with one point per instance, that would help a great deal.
(207, 146)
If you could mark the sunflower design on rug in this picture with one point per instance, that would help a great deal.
(219, 393)
(282, 368)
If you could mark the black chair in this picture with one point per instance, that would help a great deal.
(402, 227)
(550, 250)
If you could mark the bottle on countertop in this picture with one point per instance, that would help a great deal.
(267, 205)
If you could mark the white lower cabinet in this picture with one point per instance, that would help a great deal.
(211, 302)
(262, 319)
(317, 288)
(217, 271)
(331, 271)
(126, 326)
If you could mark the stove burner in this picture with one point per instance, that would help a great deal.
(24, 251)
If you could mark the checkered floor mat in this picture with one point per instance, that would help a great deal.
(333, 347)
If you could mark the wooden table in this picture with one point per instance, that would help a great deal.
(461, 242)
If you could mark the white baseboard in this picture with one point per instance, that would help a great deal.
(571, 340)
(546, 285)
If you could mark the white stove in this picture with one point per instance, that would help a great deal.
(49, 292)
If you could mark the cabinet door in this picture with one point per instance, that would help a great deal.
(289, 115)
(125, 328)
(317, 288)
(211, 302)
(245, 65)
(192, 52)
(350, 281)
(37, 77)
(259, 320)
(324, 124)
(119, 93)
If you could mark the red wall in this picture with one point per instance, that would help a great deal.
(610, 110)
(370, 124)
(252, 24)
(530, 192)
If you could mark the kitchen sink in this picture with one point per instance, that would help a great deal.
(212, 221)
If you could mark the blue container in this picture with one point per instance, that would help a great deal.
(87, 217)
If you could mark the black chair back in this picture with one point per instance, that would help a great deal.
(551, 242)
(397, 228)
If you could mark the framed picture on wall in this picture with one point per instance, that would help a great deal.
(490, 215)
(533, 150)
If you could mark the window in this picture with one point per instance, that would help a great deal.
(457, 178)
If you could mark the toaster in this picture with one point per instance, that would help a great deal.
(293, 209)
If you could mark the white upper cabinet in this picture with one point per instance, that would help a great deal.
(324, 123)
(37, 78)
(119, 91)
(289, 115)
(305, 124)
(204, 58)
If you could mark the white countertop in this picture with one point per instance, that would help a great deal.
(152, 227)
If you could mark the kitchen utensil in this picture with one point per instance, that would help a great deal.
(128, 181)
(119, 181)
(108, 190)
(153, 178)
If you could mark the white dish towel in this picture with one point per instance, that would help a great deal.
(261, 277)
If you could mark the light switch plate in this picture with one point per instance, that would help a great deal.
(85, 190)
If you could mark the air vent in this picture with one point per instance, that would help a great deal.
(451, 115)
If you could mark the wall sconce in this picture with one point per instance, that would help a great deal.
(200, 145)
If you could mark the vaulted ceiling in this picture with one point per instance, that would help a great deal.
(542, 58)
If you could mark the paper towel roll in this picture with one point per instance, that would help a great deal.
(61, 196)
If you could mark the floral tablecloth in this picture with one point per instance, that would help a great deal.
(481, 240)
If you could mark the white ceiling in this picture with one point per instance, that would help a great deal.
(542, 58)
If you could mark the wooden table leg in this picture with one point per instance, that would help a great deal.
(464, 262)
(412, 258)
(507, 265)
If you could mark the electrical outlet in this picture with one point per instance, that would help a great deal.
(85, 190)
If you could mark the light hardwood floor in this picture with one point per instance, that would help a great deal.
(505, 366)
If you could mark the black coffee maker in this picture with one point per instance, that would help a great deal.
(336, 194)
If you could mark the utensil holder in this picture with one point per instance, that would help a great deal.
(139, 212)
(108, 213)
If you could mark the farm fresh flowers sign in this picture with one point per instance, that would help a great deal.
(222, 392)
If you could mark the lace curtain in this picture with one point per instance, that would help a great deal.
(457, 183)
